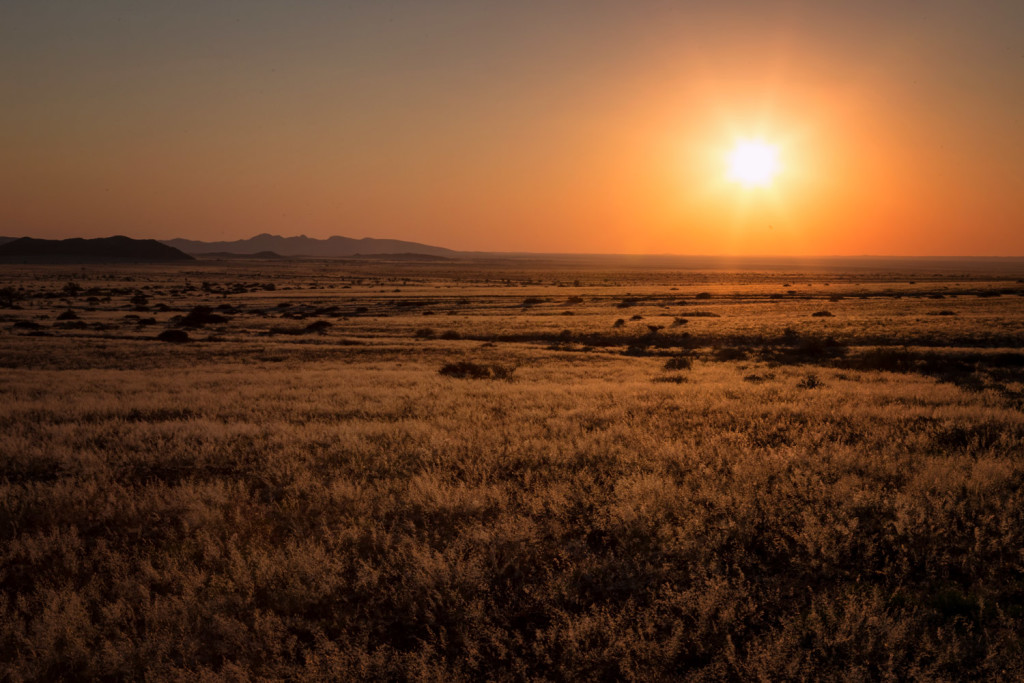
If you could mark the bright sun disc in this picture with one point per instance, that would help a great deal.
(753, 163)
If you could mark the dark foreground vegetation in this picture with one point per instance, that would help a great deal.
(336, 474)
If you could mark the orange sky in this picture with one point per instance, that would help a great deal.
(571, 127)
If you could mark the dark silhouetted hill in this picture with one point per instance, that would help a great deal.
(229, 255)
(401, 257)
(78, 250)
(332, 247)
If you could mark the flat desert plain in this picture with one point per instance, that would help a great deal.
(511, 469)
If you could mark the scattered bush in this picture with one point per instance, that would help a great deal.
(821, 314)
(810, 381)
(425, 333)
(469, 370)
(703, 295)
(174, 336)
(679, 363)
(730, 353)
(318, 327)
(619, 323)
(201, 316)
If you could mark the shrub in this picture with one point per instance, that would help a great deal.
(678, 363)
(703, 295)
(318, 327)
(425, 333)
(810, 381)
(822, 314)
(619, 323)
(8, 297)
(730, 353)
(200, 316)
(173, 336)
(469, 370)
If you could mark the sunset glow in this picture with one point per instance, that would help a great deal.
(753, 163)
(548, 127)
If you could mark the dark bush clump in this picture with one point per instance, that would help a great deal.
(619, 323)
(173, 336)
(68, 315)
(318, 327)
(822, 314)
(200, 316)
(729, 353)
(450, 334)
(469, 370)
(425, 333)
(703, 295)
(811, 381)
(678, 363)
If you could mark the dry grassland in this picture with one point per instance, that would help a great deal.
(473, 472)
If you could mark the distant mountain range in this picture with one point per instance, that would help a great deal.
(332, 247)
(118, 249)
(230, 255)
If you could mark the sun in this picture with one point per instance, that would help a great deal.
(753, 163)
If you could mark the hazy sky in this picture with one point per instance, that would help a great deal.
(590, 126)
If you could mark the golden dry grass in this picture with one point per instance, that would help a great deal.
(799, 497)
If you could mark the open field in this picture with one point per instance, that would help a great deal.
(511, 470)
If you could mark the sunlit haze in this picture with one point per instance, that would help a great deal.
(602, 127)
(753, 163)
